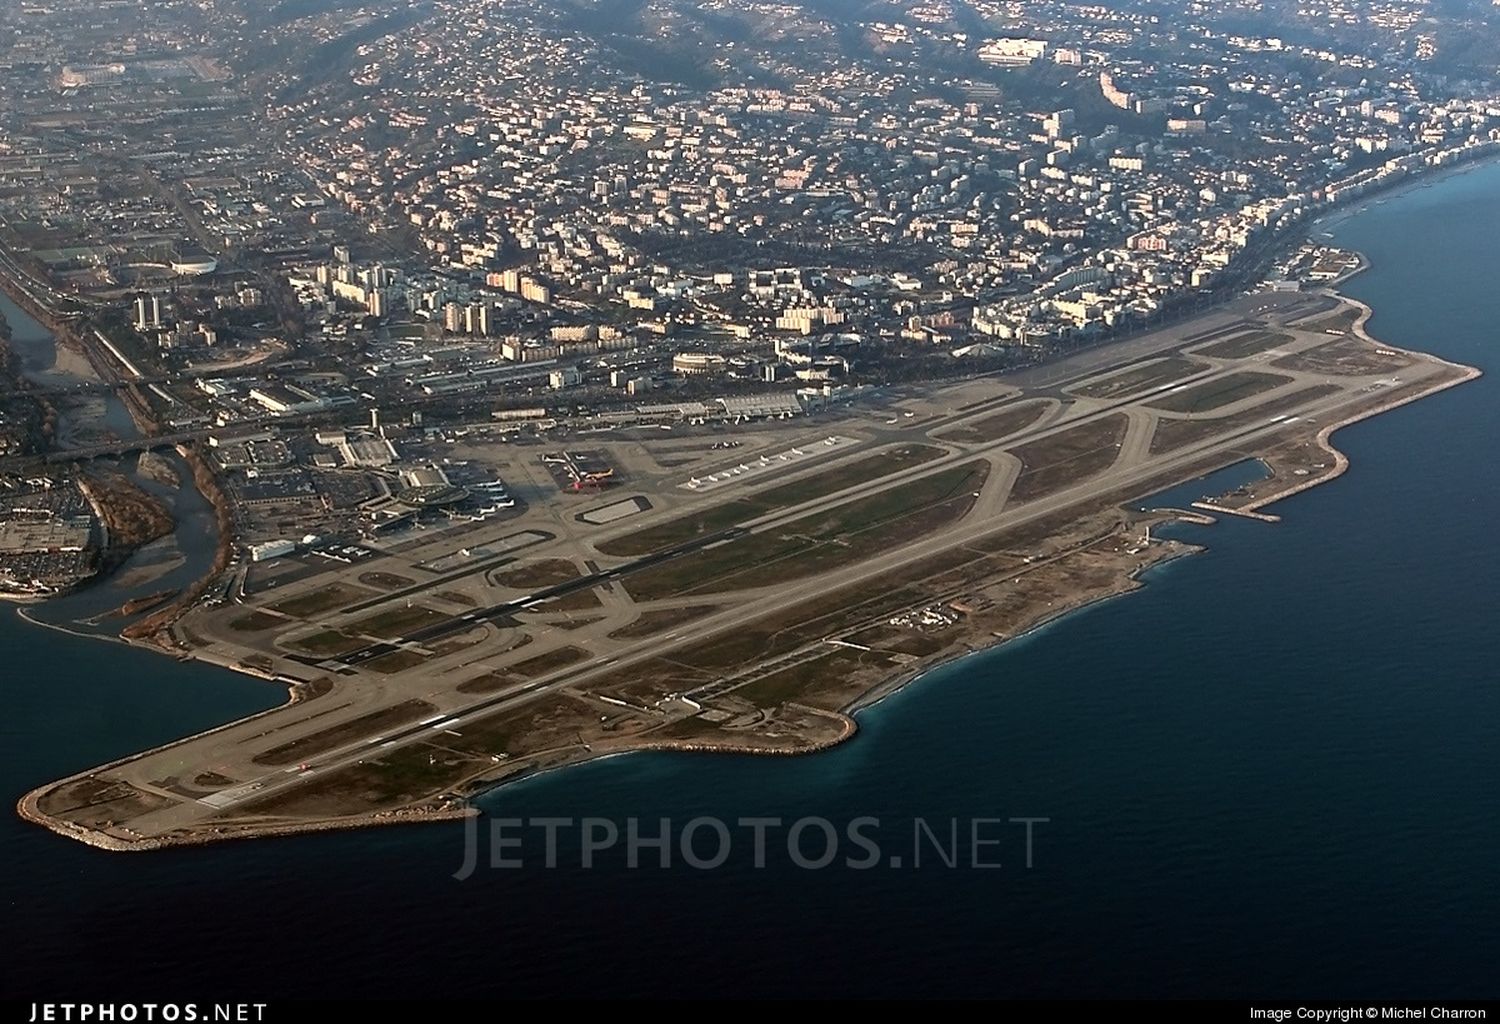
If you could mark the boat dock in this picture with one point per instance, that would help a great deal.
(1264, 517)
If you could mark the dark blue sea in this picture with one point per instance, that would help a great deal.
(1274, 771)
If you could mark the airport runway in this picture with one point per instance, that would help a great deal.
(233, 746)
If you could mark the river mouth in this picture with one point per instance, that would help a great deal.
(168, 564)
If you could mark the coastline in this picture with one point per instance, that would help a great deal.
(460, 804)
(484, 783)
(1422, 178)
(430, 810)
(1133, 581)
(1129, 584)
(34, 621)
(426, 811)
(1282, 489)
(27, 811)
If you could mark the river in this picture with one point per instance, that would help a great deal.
(169, 563)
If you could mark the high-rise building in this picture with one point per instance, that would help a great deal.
(535, 291)
(477, 318)
(147, 312)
